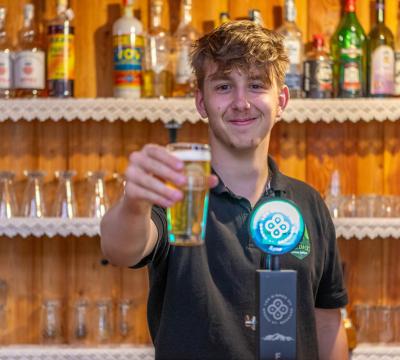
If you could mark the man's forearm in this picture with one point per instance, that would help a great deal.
(125, 234)
(332, 340)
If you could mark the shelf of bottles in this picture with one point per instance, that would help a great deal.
(182, 110)
(346, 228)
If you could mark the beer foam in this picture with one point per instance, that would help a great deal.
(191, 155)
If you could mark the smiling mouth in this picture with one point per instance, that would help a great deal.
(242, 122)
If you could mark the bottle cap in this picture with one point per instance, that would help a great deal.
(318, 41)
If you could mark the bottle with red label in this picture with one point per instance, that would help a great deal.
(61, 52)
(128, 50)
(381, 56)
(30, 60)
(318, 71)
(6, 81)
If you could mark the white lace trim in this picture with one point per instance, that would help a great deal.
(372, 228)
(346, 228)
(182, 110)
(68, 353)
(376, 352)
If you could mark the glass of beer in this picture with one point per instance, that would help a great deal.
(187, 218)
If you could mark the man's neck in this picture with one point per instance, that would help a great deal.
(244, 173)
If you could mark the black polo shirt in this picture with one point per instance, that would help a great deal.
(199, 296)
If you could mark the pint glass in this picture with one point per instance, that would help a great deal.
(187, 218)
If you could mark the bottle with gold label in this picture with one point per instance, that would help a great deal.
(224, 17)
(29, 62)
(128, 51)
(184, 36)
(157, 75)
(61, 52)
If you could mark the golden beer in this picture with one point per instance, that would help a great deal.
(187, 218)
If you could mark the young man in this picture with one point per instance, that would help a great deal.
(199, 297)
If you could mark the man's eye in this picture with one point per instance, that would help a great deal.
(257, 86)
(222, 87)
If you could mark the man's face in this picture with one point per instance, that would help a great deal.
(240, 107)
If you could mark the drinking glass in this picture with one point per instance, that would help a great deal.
(125, 317)
(370, 205)
(80, 321)
(98, 199)
(104, 326)
(33, 203)
(348, 206)
(364, 323)
(3, 303)
(386, 331)
(8, 202)
(51, 321)
(65, 203)
(187, 218)
(119, 188)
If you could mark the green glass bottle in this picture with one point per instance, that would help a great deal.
(349, 52)
(380, 56)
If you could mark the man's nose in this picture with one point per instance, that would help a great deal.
(240, 101)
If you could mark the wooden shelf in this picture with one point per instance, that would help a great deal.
(182, 110)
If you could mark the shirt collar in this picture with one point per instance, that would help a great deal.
(275, 184)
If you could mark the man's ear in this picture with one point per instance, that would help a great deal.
(283, 99)
(199, 98)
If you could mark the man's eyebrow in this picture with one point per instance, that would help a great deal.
(218, 76)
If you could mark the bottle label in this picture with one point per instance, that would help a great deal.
(183, 69)
(317, 78)
(293, 81)
(397, 73)
(293, 48)
(128, 57)
(29, 70)
(5, 70)
(350, 79)
(382, 71)
(61, 57)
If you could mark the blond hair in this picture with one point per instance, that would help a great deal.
(241, 44)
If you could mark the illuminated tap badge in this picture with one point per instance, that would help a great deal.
(276, 226)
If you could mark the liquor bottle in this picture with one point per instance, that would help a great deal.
(333, 197)
(294, 46)
(184, 82)
(397, 56)
(256, 17)
(30, 60)
(318, 71)
(157, 75)
(349, 52)
(224, 18)
(61, 52)
(6, 79)
(128, 49)
(380, 56)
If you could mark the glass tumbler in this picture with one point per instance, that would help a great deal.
(65, 203)
(98, 199)
(103, 327)
(80, 322)
(33, 203)
(125, 317)
(51, 321)
(8, 202)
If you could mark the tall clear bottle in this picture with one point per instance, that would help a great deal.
(349, 52)
(380, 56)
(157, 76)
(128, 51)
(30, 59)
(294, 45)
(184, 82)
(397, 55)
(6, 79)
(61, 52)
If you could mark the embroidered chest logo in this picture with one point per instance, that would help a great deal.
(304, 248)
